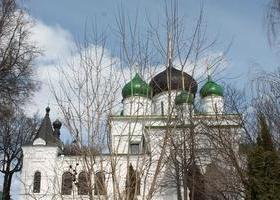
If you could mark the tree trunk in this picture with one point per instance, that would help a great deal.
(178, 180)
(185, 183)
(7, 186)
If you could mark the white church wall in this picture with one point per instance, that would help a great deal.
(125, 132)
(152, 128)
(102, 163)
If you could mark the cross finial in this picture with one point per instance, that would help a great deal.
(136, 68)
(48, 110)
(208, 72)
(169, 49)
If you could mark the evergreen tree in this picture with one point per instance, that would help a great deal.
(263, 167)
(264, 139)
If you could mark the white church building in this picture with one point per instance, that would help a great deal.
(144, 139)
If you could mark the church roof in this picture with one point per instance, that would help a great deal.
(211, 88)
(137, 87)
(46, 131)
(173, 79)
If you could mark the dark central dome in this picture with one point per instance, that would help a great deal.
(173, 79)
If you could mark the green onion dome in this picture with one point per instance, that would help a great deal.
(211, 88)
(184, 97)
(137, 87)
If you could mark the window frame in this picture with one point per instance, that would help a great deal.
(134, 144)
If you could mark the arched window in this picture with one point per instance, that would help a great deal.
(83, 183)
(37, 182)
(99, 184)
(67, 183)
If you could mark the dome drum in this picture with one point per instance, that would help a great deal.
(136, 105)
(212, 95)
(212, 105)
(161, 102)
(184, 97)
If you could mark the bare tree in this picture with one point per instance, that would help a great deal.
(17, 83)
(15, 130)
(266, 100)
(17, 54)
(87, 97)
(185, 136)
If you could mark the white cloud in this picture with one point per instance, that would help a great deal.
(56, 43)
(59, 51)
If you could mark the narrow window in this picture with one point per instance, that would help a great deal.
(134, 148)
(83, 183)
(67, 183)
(162, 108)
(144, 150)
(37, 182)
(99, 185)
(138, 183)
(216, 108)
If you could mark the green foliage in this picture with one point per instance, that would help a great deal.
(263, 167)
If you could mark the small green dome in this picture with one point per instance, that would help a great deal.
(137, 87)
(184, 97)
(211, 88)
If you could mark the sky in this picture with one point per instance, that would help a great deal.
(59, 23)
(240, 22)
